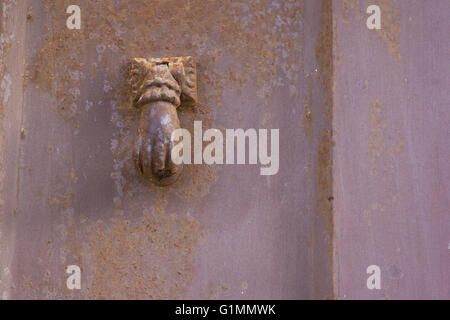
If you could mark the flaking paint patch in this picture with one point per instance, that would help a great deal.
(6, 38)
(5, 87)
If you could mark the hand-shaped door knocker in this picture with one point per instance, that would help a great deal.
(158, 88)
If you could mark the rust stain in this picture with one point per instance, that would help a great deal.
(397, 147)
(324, 52)
(308, 112)
(324, 161)
(153, 256)
(390, 22)
(390, 30)
(377, 126)
(257, 36)
(351, 6)
(324, 176)
(380, 144)
(64, 201)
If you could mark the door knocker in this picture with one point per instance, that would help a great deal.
(158, 88)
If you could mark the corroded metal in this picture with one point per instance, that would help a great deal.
(159, 87)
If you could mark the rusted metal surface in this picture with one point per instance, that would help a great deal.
(72, 195)
(363, 143)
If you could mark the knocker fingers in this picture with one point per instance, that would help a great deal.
(159, 159)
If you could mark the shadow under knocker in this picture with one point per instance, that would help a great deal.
(158, 88)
